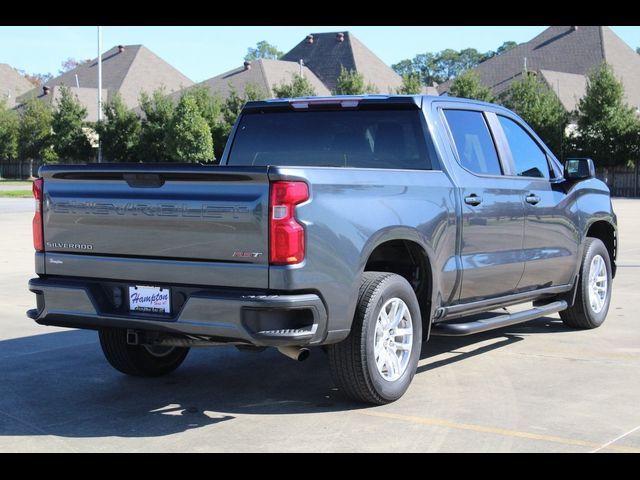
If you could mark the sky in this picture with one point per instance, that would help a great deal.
(203, 52)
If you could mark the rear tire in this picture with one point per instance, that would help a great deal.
(139, 360)
(594, 288)
(377, 361)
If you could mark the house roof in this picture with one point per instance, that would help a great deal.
(263, 74)
(88, 98)
(129, 72)
(564, 49)
(12, 84)
(326, 54)
(568, 87)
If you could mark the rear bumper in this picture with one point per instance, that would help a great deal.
(221, 315)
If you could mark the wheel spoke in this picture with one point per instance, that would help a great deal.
(378, 348)
(393, 364)
(403, 346)
(597, 301)
(403, 332)
(392, 314)
(399, 313)
(384, 319)
(381, 359)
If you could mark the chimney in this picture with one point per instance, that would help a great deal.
(309, 38)
(120, 48)
(340, 37)
(45, 90)
(247, 65)
(574, 29)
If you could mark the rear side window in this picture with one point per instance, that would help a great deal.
(474, 143)
(332, 138)
(529, 159)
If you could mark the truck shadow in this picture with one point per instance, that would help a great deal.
(510, 335)
(59, 384)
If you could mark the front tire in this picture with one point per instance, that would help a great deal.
(139, 360)
(594, 288)
(377, 361)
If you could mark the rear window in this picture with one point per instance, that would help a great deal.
(343, 138)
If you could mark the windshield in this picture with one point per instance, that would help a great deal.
(334, 138)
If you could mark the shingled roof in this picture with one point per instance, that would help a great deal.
(128, 70)
(12, 85)
(564, 50)
(569, 87)
(325, 53)
(263, 74)
(88, 98)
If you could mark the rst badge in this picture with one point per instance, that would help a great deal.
(247, 254)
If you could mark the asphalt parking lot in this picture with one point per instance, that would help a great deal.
(532, 387)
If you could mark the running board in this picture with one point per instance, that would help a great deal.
(460, 329)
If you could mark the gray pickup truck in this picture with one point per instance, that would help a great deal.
(359, 224)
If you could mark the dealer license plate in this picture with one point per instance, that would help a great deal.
(149, 299)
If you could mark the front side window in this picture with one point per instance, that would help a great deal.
(530, 160)
(474, 143)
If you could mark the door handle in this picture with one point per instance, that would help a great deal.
(473, 200)
(532, 199)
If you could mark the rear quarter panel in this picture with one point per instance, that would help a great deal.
(350, 212)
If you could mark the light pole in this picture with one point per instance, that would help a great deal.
(99, 89)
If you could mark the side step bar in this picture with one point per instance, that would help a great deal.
(460, 329)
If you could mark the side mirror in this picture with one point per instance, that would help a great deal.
(579, 169)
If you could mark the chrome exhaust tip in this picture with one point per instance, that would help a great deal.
(295, 353)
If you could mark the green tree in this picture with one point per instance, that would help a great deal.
(189, 138)
(405, 67)
(36, 79)
(468, 85)
(119, 132)
(411, 84)
(263, 50)
(638, 50)
(299, 87)
(71, 63)
(9, 125)
(608, 128)
(253, 92)
(69, 140)
(438, 67)
(539, 106)
(34, 135)
(210, 106)
(231, 108)
(350, 82)
(506, 46)
(467, 58)
(158, 111)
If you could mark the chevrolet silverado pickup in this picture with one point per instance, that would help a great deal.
(359, 224)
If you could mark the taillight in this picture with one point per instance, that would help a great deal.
(287, 235)
(38, 237)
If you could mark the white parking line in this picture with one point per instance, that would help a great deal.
(615, 439)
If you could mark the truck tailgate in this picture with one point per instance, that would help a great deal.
(182, 213)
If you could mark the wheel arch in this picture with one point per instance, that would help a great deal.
(607, 233)
(402, 251)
